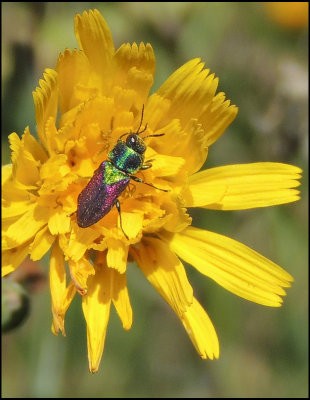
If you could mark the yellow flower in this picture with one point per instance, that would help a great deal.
(289, 14)
(94, 96)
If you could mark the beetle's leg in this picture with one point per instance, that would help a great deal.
(118, 206)
(147, 164)
(136, 179)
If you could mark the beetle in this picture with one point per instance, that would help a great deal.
(112, 177)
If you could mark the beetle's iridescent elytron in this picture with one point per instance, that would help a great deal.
(112, 177)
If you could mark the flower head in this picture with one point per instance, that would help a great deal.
(94, 97)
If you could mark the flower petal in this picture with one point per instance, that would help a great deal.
(189, 143)
(165, 272)
(25, 167)
(73, 79)
(201, 331)
(164, 165)
(203, 193)
(41, 244)
(25, 227)
(188, 96)
(15, 208)
(94, 37)
(121, 298)
(46, 100)
(232, 265)
(96, 308)
(61, 295)
(12, 191)
(132, 223)
(59, 222)
(167, 275)
(191, 91)
(12, 258)
(6, 173)
(218, 117)
(156, 111)
(33, 146)
(79, 241)
(117, 255)
(79, 272)
(246, 186)
(55, 168)
(134, 69)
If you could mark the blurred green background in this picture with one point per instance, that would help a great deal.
(263, 68)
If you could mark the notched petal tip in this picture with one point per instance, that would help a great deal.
(94, 37)
(45, 99)
(133, 70)
(201, 331)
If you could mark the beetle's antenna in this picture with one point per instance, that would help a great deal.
(142, 112)
(137, 133)
(156, 135)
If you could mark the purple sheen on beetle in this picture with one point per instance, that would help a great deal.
(100, 194)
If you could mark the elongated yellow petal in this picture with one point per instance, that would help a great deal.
(80, 271)
(12, 192)
(203, 193)
(191, 91)
(15, 209)
(41, 244)
(58, 323)
(156, 110)
(233, 265)
(61, 295)
(12, 258)
(246, 186)
(166, 273)
(132, 223)
(121, 298)
(187, 110)
(57, 275)
(6, 173)
(45, 100)
(201, 331)
(25, 167)
(55, 168)
(73, 77)
(117, 255)
(33, 146)
(134, 69)
(94, 37)
(25, 227)
(79, 241)
(164, 165)
(218, 117)
(59, 222)
(96, 308)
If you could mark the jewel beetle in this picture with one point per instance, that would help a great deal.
(112, 177)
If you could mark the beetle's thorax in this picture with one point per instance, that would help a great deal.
(128, 156)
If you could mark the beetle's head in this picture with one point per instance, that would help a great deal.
(136, 143)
